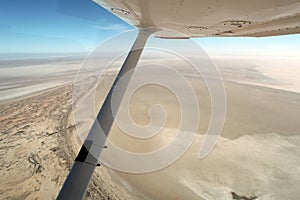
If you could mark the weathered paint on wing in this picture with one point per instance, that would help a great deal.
(200, 18)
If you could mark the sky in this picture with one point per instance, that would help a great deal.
(63, 26)
(55, 25)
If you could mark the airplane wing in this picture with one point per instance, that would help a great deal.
(204, 18)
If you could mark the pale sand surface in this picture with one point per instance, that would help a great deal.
(26, 76)
(279, 72)
(257, 155)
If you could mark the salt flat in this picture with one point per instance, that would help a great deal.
(257, 154)
(256, 157)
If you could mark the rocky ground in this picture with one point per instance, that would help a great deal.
(38, 146)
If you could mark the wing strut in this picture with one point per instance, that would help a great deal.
(86, 161)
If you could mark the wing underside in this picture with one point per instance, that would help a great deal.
(203, 18)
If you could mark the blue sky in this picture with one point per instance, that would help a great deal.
(62, 26)
(54, 25)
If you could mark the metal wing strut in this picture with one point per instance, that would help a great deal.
(86, 161)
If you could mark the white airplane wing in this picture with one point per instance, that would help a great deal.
(204, 18)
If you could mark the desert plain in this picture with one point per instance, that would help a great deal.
(256, 157)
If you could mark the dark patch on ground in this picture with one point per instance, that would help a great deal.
(238, 197)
